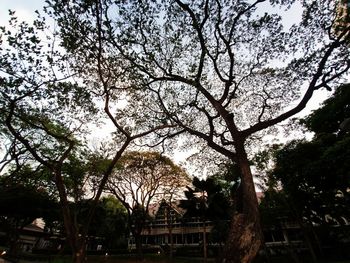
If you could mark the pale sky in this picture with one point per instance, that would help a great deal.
(24, 9)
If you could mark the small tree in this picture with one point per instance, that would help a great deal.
(114, 229)
(20, 205)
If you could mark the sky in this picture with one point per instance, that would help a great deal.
(24, 9)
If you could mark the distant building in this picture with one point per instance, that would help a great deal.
(30, 237)
(170, 227)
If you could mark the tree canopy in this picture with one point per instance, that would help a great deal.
(315, 174)
(334, 112)
(221, 71)
(144, 177)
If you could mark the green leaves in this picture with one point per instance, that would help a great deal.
(315, 174)
(334, 111)
(40, 104)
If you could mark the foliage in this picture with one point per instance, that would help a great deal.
(42, 108)
(313, 179)
(275, 209)
(109, 223)
(76, 171)
(205, 200)
(314, 174)
(332, 114)
(228, 178)
(115, 226)
(24, 203)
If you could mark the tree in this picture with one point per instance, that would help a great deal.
(311, 178)
(222, 71)
(144, 177)
(332, 116)
(316, 172)
(45, 108)
(109, 224)
(38, 108)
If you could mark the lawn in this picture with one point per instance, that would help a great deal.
(146, 259)
(123, 259)
(162, 259)
(151, 259)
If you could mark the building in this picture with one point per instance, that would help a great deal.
(170, 227)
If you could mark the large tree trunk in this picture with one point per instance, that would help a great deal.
(77, 243)
(245, 237)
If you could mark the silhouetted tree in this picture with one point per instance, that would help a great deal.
(223, 71)
(311, 178)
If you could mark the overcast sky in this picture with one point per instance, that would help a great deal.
(24, 9)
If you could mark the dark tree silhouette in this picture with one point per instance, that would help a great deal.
(222, 71)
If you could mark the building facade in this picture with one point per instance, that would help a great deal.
(169, 227)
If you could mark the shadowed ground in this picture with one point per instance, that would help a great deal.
(150, 259)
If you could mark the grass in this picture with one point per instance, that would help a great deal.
(148, 258)
(119, 259)
(163, 259)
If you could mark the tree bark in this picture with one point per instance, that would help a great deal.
(245, 237)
